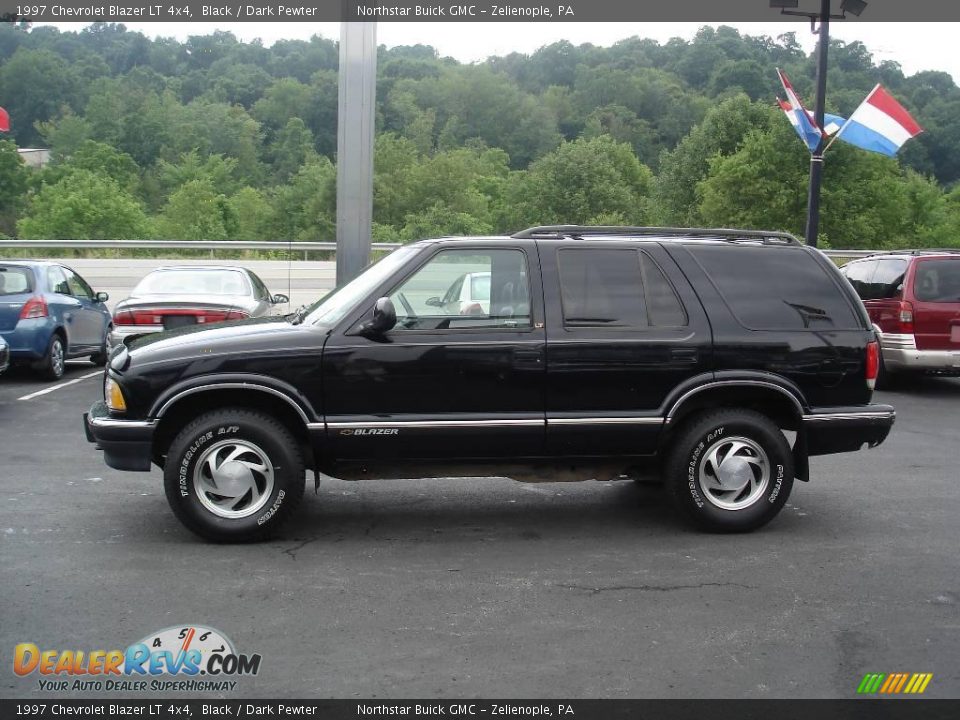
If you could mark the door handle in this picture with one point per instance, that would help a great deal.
(527, 357)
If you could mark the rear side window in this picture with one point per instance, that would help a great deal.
(877, 279)
(776, 288)
(887, 282)
(860, 274)
(15, 280)
(937, 281)
(616, 288)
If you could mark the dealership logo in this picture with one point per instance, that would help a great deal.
(182, 652)
(894, 683)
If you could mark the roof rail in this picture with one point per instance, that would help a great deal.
(561, 231)
(915, 251)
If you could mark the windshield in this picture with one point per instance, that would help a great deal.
(332, 307)
(193, 282)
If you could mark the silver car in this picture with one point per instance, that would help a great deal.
(175, 297)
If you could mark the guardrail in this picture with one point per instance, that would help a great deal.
(185, 244)
(271, 245)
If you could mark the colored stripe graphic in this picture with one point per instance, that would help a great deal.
(894, 683)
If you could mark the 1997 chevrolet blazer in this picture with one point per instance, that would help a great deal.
(721, 358)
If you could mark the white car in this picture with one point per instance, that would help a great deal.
(468, 295)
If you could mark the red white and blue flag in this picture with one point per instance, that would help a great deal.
(4, 121)
(799, 116)
(880, 124)
(831, 123)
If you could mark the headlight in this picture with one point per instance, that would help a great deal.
(113, 395)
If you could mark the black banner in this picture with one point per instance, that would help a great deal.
(497, 709)
(449, 11)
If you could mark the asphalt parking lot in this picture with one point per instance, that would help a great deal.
(492, 588)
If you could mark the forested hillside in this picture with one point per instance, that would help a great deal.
(217, 139)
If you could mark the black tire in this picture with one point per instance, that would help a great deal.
(885, 379)
(692, 482)
(53, 364)
(214, 437)
(100, 358)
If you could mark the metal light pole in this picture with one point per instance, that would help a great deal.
(816, 158)
(824, 17)
(356, 114)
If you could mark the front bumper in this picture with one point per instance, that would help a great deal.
(900, 353)
(840, 429)
(126, 444)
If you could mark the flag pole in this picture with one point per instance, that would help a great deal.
(816, 158)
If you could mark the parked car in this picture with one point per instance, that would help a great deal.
(602, 350)
(48, 313)
(4, 355)
(468, 294)
(913, 299)
(173, 297)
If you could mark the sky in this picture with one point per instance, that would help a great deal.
(916, 46)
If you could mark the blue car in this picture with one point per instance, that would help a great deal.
(48, 313)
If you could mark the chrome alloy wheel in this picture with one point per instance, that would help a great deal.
(57, 357)
(735, 473)
(233, 478)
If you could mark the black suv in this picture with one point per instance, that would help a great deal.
(722, 359)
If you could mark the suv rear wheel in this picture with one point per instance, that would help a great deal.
(730, 470)
(234, 475)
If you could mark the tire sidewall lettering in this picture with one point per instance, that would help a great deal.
(195, 447)
(273, 508)
(772, 498)
(692, 484)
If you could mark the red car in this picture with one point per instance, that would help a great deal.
(913, 298)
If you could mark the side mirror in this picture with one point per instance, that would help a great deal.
(435, 302)
(102, 297)
(279, 299)
(384, 318)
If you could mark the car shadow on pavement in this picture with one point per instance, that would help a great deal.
(925, 386)
(490, 510)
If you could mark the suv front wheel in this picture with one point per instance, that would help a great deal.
(234, 475)
(730, 470)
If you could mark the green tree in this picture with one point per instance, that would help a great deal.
(440, 220)
(306, 206)
(720, 133)
(866, 201)
(293, 148)
(582, 180)
(84, 205)
(13, 185)
(34, 85)
(196, 211)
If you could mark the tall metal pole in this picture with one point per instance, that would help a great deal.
(816, 159)
(356, 116)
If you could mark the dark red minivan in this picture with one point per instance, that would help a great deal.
(913, 299)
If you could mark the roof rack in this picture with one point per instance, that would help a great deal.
(915, 251)
(732, 235)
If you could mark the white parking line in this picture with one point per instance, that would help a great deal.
(50, 389)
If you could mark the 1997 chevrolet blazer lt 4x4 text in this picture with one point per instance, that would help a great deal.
(722, 358)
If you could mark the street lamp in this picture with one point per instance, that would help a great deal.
(786, 7)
